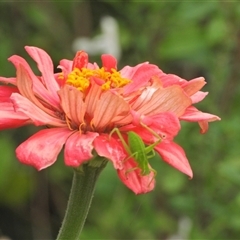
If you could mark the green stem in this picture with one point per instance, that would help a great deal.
(80, 199)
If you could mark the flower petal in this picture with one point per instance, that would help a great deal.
(140, 76)
(198, 96)
(80, 60)
(92, 99)
(166, 125)
(5, 93)
(10, 118)
(192, 114)
(66, 66)
(175, 156)
(132, 178)
(72, 104)
(8, 80)
(172, 79)
(111, 149)
(109, 62)
(78, 148)
(41, 149)
(38, 116)
(38, 87)
(193, 86)
(170, 99)
(111, 109)
(24, 84)
(45, 66)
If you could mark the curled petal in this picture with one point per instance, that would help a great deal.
(203, 126)
(192, 114)
(198, 96)
(24, 83)
(38, 87)
(10, 118)
(41, 149)
(37, 115)
(78, 148)
(45, 66)
(193, 86)
(133, 179)
(111, 149)
(175, 156)
(65, 65)
(8, 80)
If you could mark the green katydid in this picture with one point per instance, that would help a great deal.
(137, 149)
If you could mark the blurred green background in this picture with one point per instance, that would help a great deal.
(187, 38)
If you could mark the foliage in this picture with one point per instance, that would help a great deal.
(188, 38)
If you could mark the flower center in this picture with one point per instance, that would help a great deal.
(80, 78)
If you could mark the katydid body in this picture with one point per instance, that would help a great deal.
(140, 152)
(137, 150)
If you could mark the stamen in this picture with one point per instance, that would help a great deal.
(92, 125)
(81, 127)
(80, 78)
(68, 122)
(60, 76)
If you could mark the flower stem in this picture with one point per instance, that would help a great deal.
(80, 199)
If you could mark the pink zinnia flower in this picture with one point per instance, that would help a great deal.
(82, 105)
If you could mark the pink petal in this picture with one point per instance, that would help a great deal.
(203, 126)
(38, 87)
(170, 99)
(110, 109)
(111, 149)
(92, 99)
(6, 92)
(10, 118)
(166, 125)
(109, 62)
(80, 60)
(37, 115)
(8, 80)
(72, 104)
(78, 148)
(41, 149)
(172, 79)
(24, 83)
(45, 66)
(65, 65)
(193, 86)
(133, 179)
(175, 156)
(198, 96)
(192, 114)
(140, 76)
